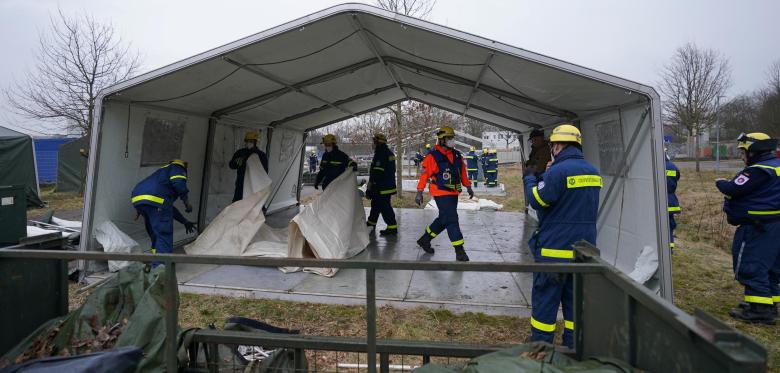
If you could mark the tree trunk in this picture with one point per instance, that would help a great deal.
(399, 151)
(696, 150)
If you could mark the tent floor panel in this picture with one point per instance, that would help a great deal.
(490, 236)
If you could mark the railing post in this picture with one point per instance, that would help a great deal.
(384, 362)
(371, 319)
(171, 317)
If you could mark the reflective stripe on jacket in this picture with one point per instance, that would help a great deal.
(381, 179)
(672, 177)
(431, 168)
(162, 187)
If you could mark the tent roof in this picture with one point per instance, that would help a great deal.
(7, 132)
(353, 58)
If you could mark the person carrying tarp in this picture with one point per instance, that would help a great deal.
(567, 203)
(312, 161)
(752, 203)
(238, 162)
(491, 171)
(672, 178)
(445, 168)
(381, 186)
(472, 166)
(333, 162)
(153, 199)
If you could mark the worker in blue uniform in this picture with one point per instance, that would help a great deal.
(238, 162)
(566, 200)
(483, 161)
(333, 162)
(312, 162)
(153, 199)
(752, 203)
(472, 165)
(381, 186)
(491, 170)
(672, 178)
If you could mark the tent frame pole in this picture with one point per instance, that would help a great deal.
(299, 185)
(204, 184)
(374, 49)
(277, 80)
(477, 82)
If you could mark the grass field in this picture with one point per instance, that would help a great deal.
(701, 266)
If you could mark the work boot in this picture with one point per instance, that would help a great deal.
(372, 226)
(755, 314)
(460, 254)
(746, 305)
(388, 232)
(425, 243)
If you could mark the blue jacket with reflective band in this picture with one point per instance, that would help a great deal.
(754, 193)
(672, 177)
(381, 179)
(491, 162)
(448, 177)
(472, 161)
(332, 164)
(162, 187)
(567, 203)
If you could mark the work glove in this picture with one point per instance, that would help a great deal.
(470, 191)
(530, 170)
(418, 198)
(189, 227)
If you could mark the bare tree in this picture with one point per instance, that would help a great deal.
(77, 58)
(691, 84)
(509, 137)
(419, 9)
(773, 77)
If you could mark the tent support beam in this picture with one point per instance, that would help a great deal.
(276, 123)
(204, 184)
(494, 124)
(482, 87)
(279, 92)
(462, 103)
(476, 84)
(375, 108)
(281, 81)
(374, 49)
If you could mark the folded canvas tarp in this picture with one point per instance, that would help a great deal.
(331, 227)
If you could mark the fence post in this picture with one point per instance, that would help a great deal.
(171, 317)
(371, 319)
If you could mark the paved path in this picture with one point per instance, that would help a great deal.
(490, 236)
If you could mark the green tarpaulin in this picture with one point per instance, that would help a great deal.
(17, 164)
(71, 165)
(126, 310)
(530, 358)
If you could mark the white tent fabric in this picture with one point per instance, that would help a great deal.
(332, 227)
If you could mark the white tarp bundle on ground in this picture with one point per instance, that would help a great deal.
(475, 204)
(332, 227)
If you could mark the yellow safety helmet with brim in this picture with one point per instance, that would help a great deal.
(756, 142)
(380, 138)
(445, 131)
(566, 133)
(329, 139)
(427, 146)
(473, 149)
(251, 135)
(180, 163)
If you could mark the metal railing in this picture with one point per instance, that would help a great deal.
(705, 339)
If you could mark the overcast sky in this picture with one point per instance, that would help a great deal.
(630, 39)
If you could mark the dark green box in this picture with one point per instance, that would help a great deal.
(13, 214)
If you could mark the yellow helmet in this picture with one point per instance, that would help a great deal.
(445, 131)
(380, 138)
(747, 141)
(427, 146)
(179, 162)
(493, 151)
(472, 149)
(251, 135)
(329, 139)
(566, 133)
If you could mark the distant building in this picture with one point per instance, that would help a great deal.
(500, 140)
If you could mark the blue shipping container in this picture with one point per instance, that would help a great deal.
(46, 158)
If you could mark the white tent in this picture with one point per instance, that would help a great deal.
(352, 59)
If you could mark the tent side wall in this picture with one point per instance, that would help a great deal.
(117, 173)
(625, 140)
(71, 165)
(17, 166)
